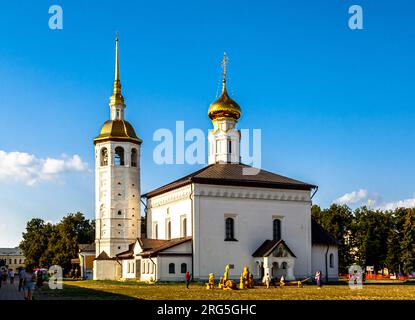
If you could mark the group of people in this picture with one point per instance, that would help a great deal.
(28, 280)
(268, 281)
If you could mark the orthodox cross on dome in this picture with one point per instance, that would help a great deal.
(224, 65)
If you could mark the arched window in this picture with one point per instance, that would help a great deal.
(169, 229)
(276, 229)
(284, 265)
(134, 157)
(229, 229)
(184, 227)
(156, 231)
(183, 268)
(171, 268)
(104, 157)
(331, 258)
(119, 156)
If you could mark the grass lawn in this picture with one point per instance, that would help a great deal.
(97, 290)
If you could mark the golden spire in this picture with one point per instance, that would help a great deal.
(117, 98)
(224, 63)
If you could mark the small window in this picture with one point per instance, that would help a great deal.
(104, 157)
(134, 157)
(171, 268)
(119, 156)
(168, 231)
(119, 212)
(229, 229)
(156, 229)
(229, 146)
(183, 268)
(184, 227)
(284, 265)
(119, 224)
(119, 247)
(331, 260)
(276, 229)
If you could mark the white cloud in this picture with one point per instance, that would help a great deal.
(353, 197)
(406, 203)
(29, 169)
(364, 197)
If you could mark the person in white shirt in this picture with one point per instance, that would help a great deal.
(11, 276)
(266, 280)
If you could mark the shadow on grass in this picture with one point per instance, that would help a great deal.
(72, 292)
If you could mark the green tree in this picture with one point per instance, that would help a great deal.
(46, 244)
(35, 241)
(337, 220)
(408, 242)
(371, 231)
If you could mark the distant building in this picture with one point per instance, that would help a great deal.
(11, 258)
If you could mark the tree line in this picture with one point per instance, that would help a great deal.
(46, 244)
(371, 237)
(367, 237)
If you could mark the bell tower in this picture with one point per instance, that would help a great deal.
(224, 139)
(117, 179)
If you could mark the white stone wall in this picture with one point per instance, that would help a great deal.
(128, 269)
(319, 258)
(149, 268)
(117, 191)
(173, 206)
(106, 270)
(253, 211)
(163, 267)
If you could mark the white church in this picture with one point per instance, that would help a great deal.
(221, 214)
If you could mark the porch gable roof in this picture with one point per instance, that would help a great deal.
(268, 246)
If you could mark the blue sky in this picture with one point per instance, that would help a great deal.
(335, 105)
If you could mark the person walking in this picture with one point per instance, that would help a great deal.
(187, 278)
(11, 276)
(266, 280)
(22, 275)
(29, 284)
(318, 279)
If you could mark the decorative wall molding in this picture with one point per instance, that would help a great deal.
(219, 192)
(170, 196)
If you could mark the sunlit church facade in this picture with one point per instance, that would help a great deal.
(224, 213)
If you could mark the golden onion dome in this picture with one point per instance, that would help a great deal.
(117, 130)
(224, 106)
